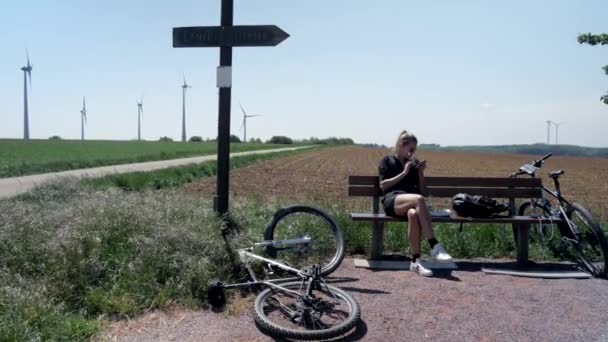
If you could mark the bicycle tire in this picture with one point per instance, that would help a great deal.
(269, 327)
(271, 231)
(599, 236)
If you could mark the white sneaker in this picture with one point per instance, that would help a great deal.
(439, 254)
(421, 270)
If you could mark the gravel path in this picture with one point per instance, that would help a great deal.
(401, 306)
(16, 185)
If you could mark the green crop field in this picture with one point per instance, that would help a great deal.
(18, 157)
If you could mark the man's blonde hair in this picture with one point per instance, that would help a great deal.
(404, 138)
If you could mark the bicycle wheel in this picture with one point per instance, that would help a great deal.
(538, 210)
(327, 242)
(558, 249)
(328, 313)
(590, 243)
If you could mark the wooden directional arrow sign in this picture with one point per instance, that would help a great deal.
(228, 36)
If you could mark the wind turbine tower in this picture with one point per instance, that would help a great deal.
(83, 118)
(549, 122)
(140, 115)
(557, 130)
(185, 86)
(245, 117)
(27, 73)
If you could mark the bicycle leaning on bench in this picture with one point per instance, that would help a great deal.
(581, 235)
(303, 306)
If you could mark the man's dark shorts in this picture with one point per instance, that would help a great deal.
(389, 202)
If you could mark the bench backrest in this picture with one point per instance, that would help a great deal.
(510, 188)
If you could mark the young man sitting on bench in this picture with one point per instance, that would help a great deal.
(401, 181)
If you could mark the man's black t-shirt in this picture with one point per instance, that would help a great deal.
(390, 167)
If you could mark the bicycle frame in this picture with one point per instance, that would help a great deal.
(246, 256)
(544, 204)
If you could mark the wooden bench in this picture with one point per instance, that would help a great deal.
(446, 187)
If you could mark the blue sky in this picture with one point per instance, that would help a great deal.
(454, 72)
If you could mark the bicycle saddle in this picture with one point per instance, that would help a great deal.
(556, 174)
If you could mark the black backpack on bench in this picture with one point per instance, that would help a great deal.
(466, 205)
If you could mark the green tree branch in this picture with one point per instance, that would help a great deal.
(594, 39)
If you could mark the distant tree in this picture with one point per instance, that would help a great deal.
(234, 139)
(326, 141)
(195, 138)
(595, 39)
(279, 139)
(165, 139)
(429, 146)
(55, 137)
(255, 140)
(336, 141)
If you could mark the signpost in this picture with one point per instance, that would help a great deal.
(225, 37)
(216, 36)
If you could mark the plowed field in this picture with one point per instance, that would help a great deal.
(324, 174)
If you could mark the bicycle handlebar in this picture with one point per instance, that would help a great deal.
(539, 163)
(531, 168)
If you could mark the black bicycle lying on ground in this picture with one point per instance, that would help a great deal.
(582, 237)
(302, 306)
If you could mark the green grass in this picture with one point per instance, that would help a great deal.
(110, 253)
(18, 157)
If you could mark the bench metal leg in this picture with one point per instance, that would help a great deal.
(377, 243)
(523, 240)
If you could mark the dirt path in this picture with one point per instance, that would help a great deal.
(401, 306)
(16, 185)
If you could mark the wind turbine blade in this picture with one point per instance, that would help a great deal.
(243, 109)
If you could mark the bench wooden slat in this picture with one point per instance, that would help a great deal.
(491, 192)
(362, 180)
(484, 182)
(460, 181)
(369, 217)
(372, 191)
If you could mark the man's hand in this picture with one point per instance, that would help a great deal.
(408, 166)
(422, 165)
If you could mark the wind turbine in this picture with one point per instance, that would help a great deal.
(549, 122)
(83, 118)
(184, 87)
(140, 115)
(27, 73)
(557, 129)
(245, 117)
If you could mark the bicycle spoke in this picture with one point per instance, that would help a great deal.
(320, 251)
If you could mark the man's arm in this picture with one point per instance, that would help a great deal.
(422, 182)
(390, 182)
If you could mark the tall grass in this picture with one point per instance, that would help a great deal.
(114, 254)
